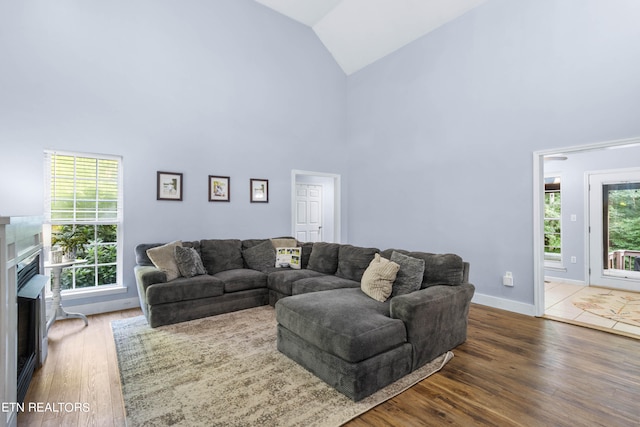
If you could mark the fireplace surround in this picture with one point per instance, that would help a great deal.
(22, 311)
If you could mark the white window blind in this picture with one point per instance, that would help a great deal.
(83, 188)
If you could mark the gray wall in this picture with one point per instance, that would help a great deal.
(446, 127)
(224, 87)
(434, 142)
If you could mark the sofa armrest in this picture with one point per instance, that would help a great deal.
(435, 319)
(145, 277)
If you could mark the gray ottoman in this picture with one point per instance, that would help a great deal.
(345, 338)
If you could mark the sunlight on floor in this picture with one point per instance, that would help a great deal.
(558, 304)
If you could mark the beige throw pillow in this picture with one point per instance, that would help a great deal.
(164, 258)
(377, 280)
(284, 243)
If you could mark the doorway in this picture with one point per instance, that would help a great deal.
(315, 206)
(626, 150)
(576, 216)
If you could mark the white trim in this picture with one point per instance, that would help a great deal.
(565, 281)
(538, 206)
(337, 210)
(538, 233)
(97, 291)
(504, 304)
(102, 307)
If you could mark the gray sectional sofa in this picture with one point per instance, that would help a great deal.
(327, 320)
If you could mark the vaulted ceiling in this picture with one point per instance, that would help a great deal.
(359, 32)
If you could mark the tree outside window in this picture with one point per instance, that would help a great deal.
(84, 201)
(552, 220)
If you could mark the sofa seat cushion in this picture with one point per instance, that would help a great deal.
(282, 279)
(321, 283)
(184, 289)
(345, 323)
(242, 279)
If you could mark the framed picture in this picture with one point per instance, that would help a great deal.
(219, 188)
(259, 190)
(169, 186)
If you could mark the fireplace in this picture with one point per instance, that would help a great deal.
(30, 287)
(23, 333)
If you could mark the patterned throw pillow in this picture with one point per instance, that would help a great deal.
(289, 257)
(164, 258)
(377, 280)
(189, 262)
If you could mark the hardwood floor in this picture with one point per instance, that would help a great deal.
(514, 370)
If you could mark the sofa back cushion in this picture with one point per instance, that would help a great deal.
(353, 261)
(440, 269)
(324, 257)
(260, 257)
(141, 253)
(221, 255)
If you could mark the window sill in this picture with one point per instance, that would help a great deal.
(99, 292)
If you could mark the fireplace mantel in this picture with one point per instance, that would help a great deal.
(20, 237)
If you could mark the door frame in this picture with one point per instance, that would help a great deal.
(337, 209)
(538, 208)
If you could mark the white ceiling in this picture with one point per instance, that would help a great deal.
(359, 32)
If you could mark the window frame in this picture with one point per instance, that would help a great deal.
(550, 262)
(84, 292)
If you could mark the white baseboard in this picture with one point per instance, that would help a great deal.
(563, 280)
(505, 304)
(101, 307)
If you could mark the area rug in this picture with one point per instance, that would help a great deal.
(621, 308)
(226, 371)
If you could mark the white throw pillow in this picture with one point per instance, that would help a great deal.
(377, 280)
(164, 258)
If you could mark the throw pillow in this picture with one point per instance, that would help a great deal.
(189, 262)
(284, 242)
(289, 257)
(409, 278)
(164, 258)
(377, 280)
(260, 257)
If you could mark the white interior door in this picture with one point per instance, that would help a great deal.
(614, 217)
(308, 225)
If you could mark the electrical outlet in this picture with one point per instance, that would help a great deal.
(573, 260)
(507, 279)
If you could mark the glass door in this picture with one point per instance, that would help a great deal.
(614, 230)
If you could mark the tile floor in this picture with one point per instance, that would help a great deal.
(558, 306)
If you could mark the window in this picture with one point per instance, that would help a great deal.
(84, 205)
(552, 223)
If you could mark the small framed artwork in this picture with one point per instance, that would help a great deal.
(169, 186)
(219, 188)
(259, 190)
